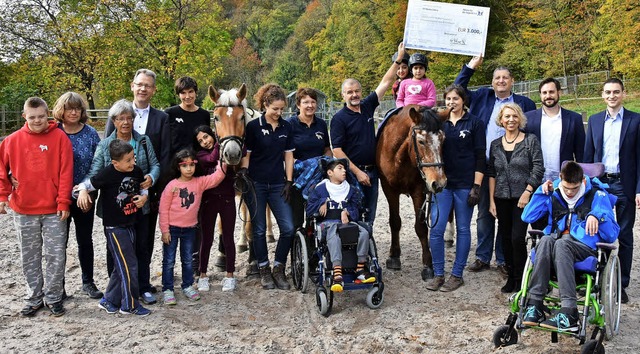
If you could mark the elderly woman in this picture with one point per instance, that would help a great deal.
(70, 111)
(515, 170)
(310, 139)
(121, 115)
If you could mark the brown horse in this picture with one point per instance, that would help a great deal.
(230, 116)
(409, 159)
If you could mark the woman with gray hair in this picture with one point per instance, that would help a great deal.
(515, 170)
(121, 115)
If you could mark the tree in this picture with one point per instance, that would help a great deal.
(615, 43)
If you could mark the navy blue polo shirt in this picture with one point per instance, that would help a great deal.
(267, 148)
(309, 140)
(463, 151)
(353, 132)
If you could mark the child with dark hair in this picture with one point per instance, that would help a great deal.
(337, 203)
(580, 214)
(122, 198)
(179, 205)
(215, 201)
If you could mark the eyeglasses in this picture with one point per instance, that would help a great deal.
(74, 109)
(124, 119)
(141, 85)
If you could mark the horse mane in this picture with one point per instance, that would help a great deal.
(430, 121)
(230, 98)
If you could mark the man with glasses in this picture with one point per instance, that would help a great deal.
(353, 137)
(613, 138)
(153, 123)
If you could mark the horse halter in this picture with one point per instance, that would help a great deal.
(419, 161)
(230, 138)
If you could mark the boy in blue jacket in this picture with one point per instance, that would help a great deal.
(580, 214)
(337, 203)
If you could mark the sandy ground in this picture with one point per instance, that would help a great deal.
(411, 319)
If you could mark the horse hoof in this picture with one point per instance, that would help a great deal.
(394, 263)
(242, 248)
(221, 263)
(427, 273)
(271, 239)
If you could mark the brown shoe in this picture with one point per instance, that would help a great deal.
(279, 278)
(478, 266)
(266, 279)
(503, 270)
(452, 284)
(435, 283)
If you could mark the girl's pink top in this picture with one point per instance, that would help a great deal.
(421, 92)
(180, 200)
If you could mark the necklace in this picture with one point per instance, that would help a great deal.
(512, 141)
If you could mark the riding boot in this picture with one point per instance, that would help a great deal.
(513, 282)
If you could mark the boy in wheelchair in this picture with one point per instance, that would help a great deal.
(580, 214)
(337, 204)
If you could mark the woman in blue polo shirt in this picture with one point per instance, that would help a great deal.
(310, 139)
(463, 154)
(269, 142)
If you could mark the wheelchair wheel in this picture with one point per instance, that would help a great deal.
(592, 347)
(300, 262)
(323, 302)
(375, 297)
(504, 336)
(610, 295)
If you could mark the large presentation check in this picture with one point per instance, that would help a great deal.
(444, 27)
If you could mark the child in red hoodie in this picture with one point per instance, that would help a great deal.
(39, 157)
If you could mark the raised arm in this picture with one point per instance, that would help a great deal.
(390, 76)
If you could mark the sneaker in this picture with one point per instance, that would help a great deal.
(30, 311)
(168, 297)
(56, 309)
(337, 287)
(266, 278)
(92, 291)
(624, 298)
(138, 311)
(435, 283)
(364, 277)
(147, 298)
(191, 293)
(532, 316)
(452, 284)
(478, 266)
(228, 284)
(279, 278)
(564, 321)
(203, 284)
(107, 306)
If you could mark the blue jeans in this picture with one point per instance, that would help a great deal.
(187, 236)
(266, 193)
(486, 224)
(371, 196)
(448, 198)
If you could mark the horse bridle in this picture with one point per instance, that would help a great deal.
(427, 203)
(229, 138)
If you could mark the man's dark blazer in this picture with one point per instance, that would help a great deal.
(158, 131)
(572, 138)
(483, 99)
(629, 155)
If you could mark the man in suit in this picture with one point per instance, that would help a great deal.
(613, 138)
(563, 137)
(485, 103)
(154, 124)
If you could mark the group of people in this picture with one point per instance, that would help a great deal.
(166, 165)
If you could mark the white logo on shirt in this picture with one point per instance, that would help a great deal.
(414, 89)
(463, 133)
(44, 147)
(319, 135)
(179, 120)
(265, 132)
